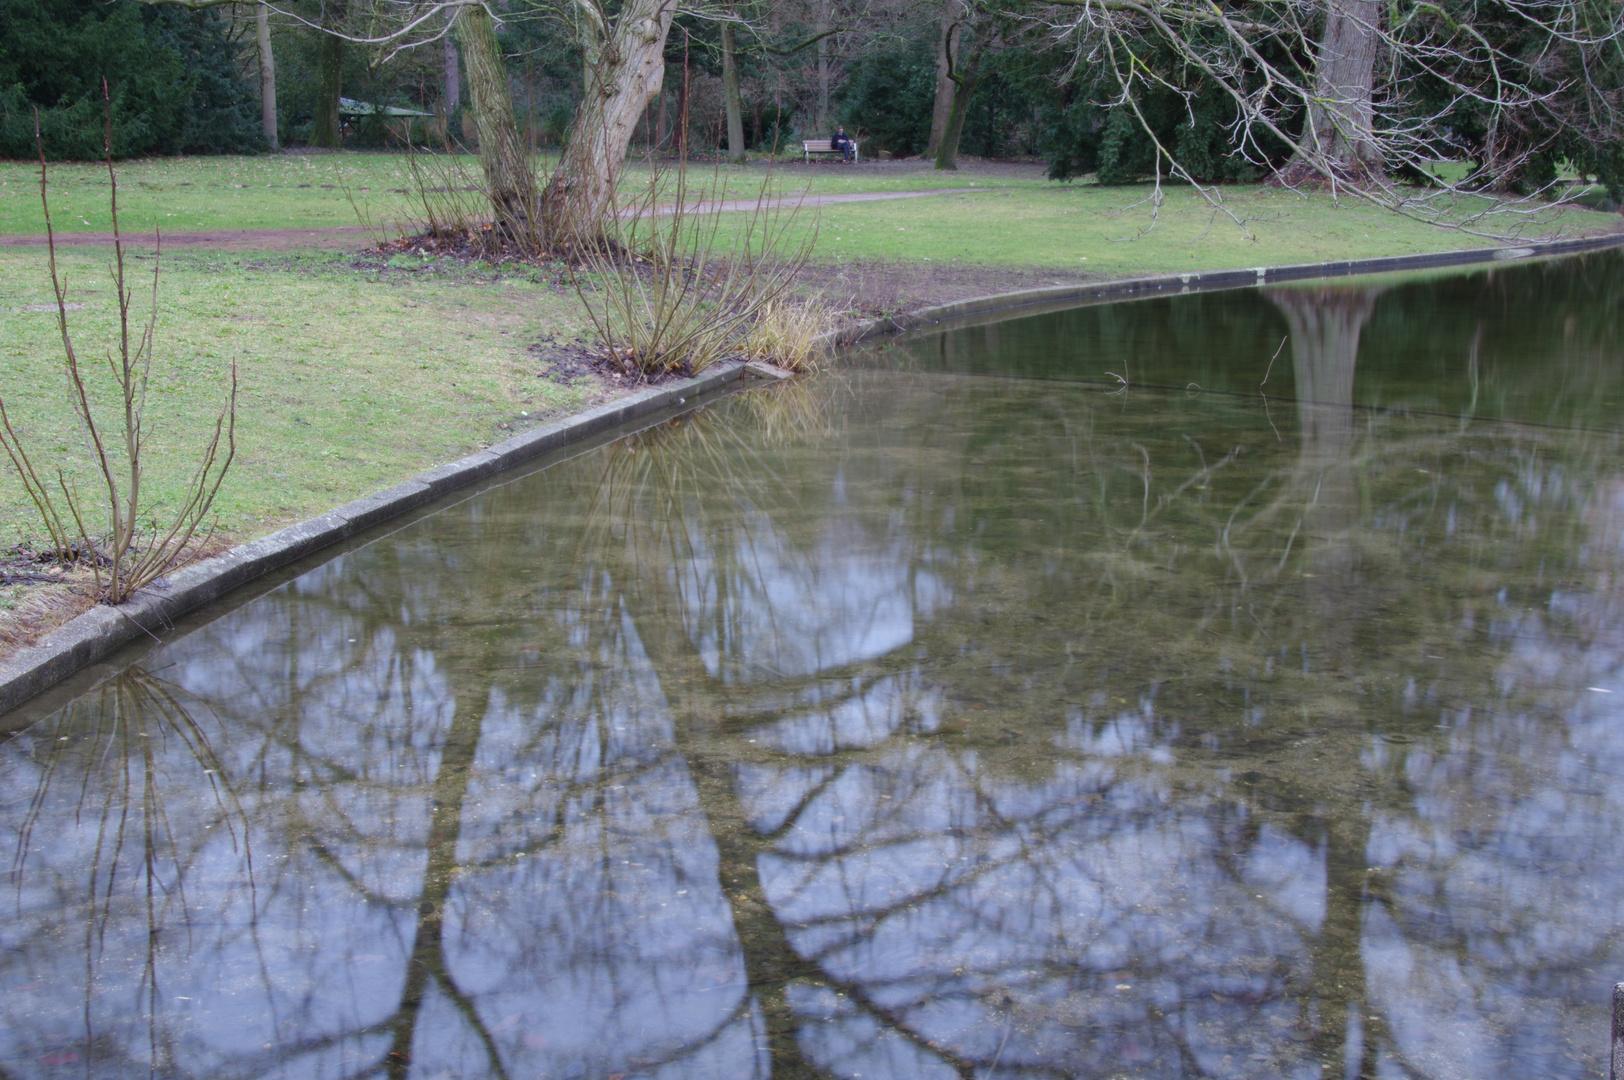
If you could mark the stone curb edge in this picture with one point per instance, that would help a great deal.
(89, 637)
(1003, 304)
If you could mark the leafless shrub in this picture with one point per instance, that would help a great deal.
(451, 205)
(119, 564)
(667, 292)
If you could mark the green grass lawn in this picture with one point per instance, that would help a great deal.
(1027, 219)
(293, 190)
(1100, 232)
(350, 379)
(204, 193)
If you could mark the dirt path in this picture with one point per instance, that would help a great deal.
(340, 236)
(344, 236)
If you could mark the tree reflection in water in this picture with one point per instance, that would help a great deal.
(888, 725)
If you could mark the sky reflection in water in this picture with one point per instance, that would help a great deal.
(946, 716)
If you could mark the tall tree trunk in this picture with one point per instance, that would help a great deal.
(625, 74)
(428, 971)
(453, 80)
(1341, 115)
(329, 78)
(964, 87)
(821, 117)
(730, 89)
(267, 78)
(509, 183)
(943, 109)
(778, 110)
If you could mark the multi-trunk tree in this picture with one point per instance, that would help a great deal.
(624, 69)
(1361, 95)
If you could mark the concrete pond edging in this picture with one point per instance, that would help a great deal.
(1060, 296)
(91, 636)
(87, 638)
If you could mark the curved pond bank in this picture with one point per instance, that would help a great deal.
(98, 632)
(1224, 684)
(91, 636)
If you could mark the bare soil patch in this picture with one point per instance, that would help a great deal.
(39, 592)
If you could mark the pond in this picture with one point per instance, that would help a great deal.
(1216, 685)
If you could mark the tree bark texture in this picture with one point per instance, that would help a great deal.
(964, 71)
(730, 89)
(509, 183)
(453, 80)
(820, 118)
(329, 79)
(267, 78)
(624, 76)
(1341, 114)
(943, 108)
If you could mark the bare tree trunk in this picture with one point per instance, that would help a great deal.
(964, 83)
(453, 80)
(509, 183)
(778, 109)
(1337, 135)
(626, 73)
(267, 78)
(329, 78)
(943, 109)
(821, 116)
(730, 89)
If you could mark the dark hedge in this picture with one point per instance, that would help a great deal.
(172, 74)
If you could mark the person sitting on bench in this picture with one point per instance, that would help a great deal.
(842, 143)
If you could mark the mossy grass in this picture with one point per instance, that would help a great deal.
(352, 377)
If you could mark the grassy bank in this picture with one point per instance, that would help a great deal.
(351, 377)
(1099, 232)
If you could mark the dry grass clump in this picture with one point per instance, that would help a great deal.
(30, 611)
(794, 335)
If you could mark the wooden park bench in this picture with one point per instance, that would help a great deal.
(824, 146)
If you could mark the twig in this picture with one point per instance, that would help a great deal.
(1272, 359)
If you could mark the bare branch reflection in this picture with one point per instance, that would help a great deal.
(947, 725)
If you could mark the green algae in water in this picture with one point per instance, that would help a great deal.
(966, 712)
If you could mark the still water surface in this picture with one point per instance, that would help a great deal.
(1034, 700)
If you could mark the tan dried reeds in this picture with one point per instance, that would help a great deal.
(791, 334)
